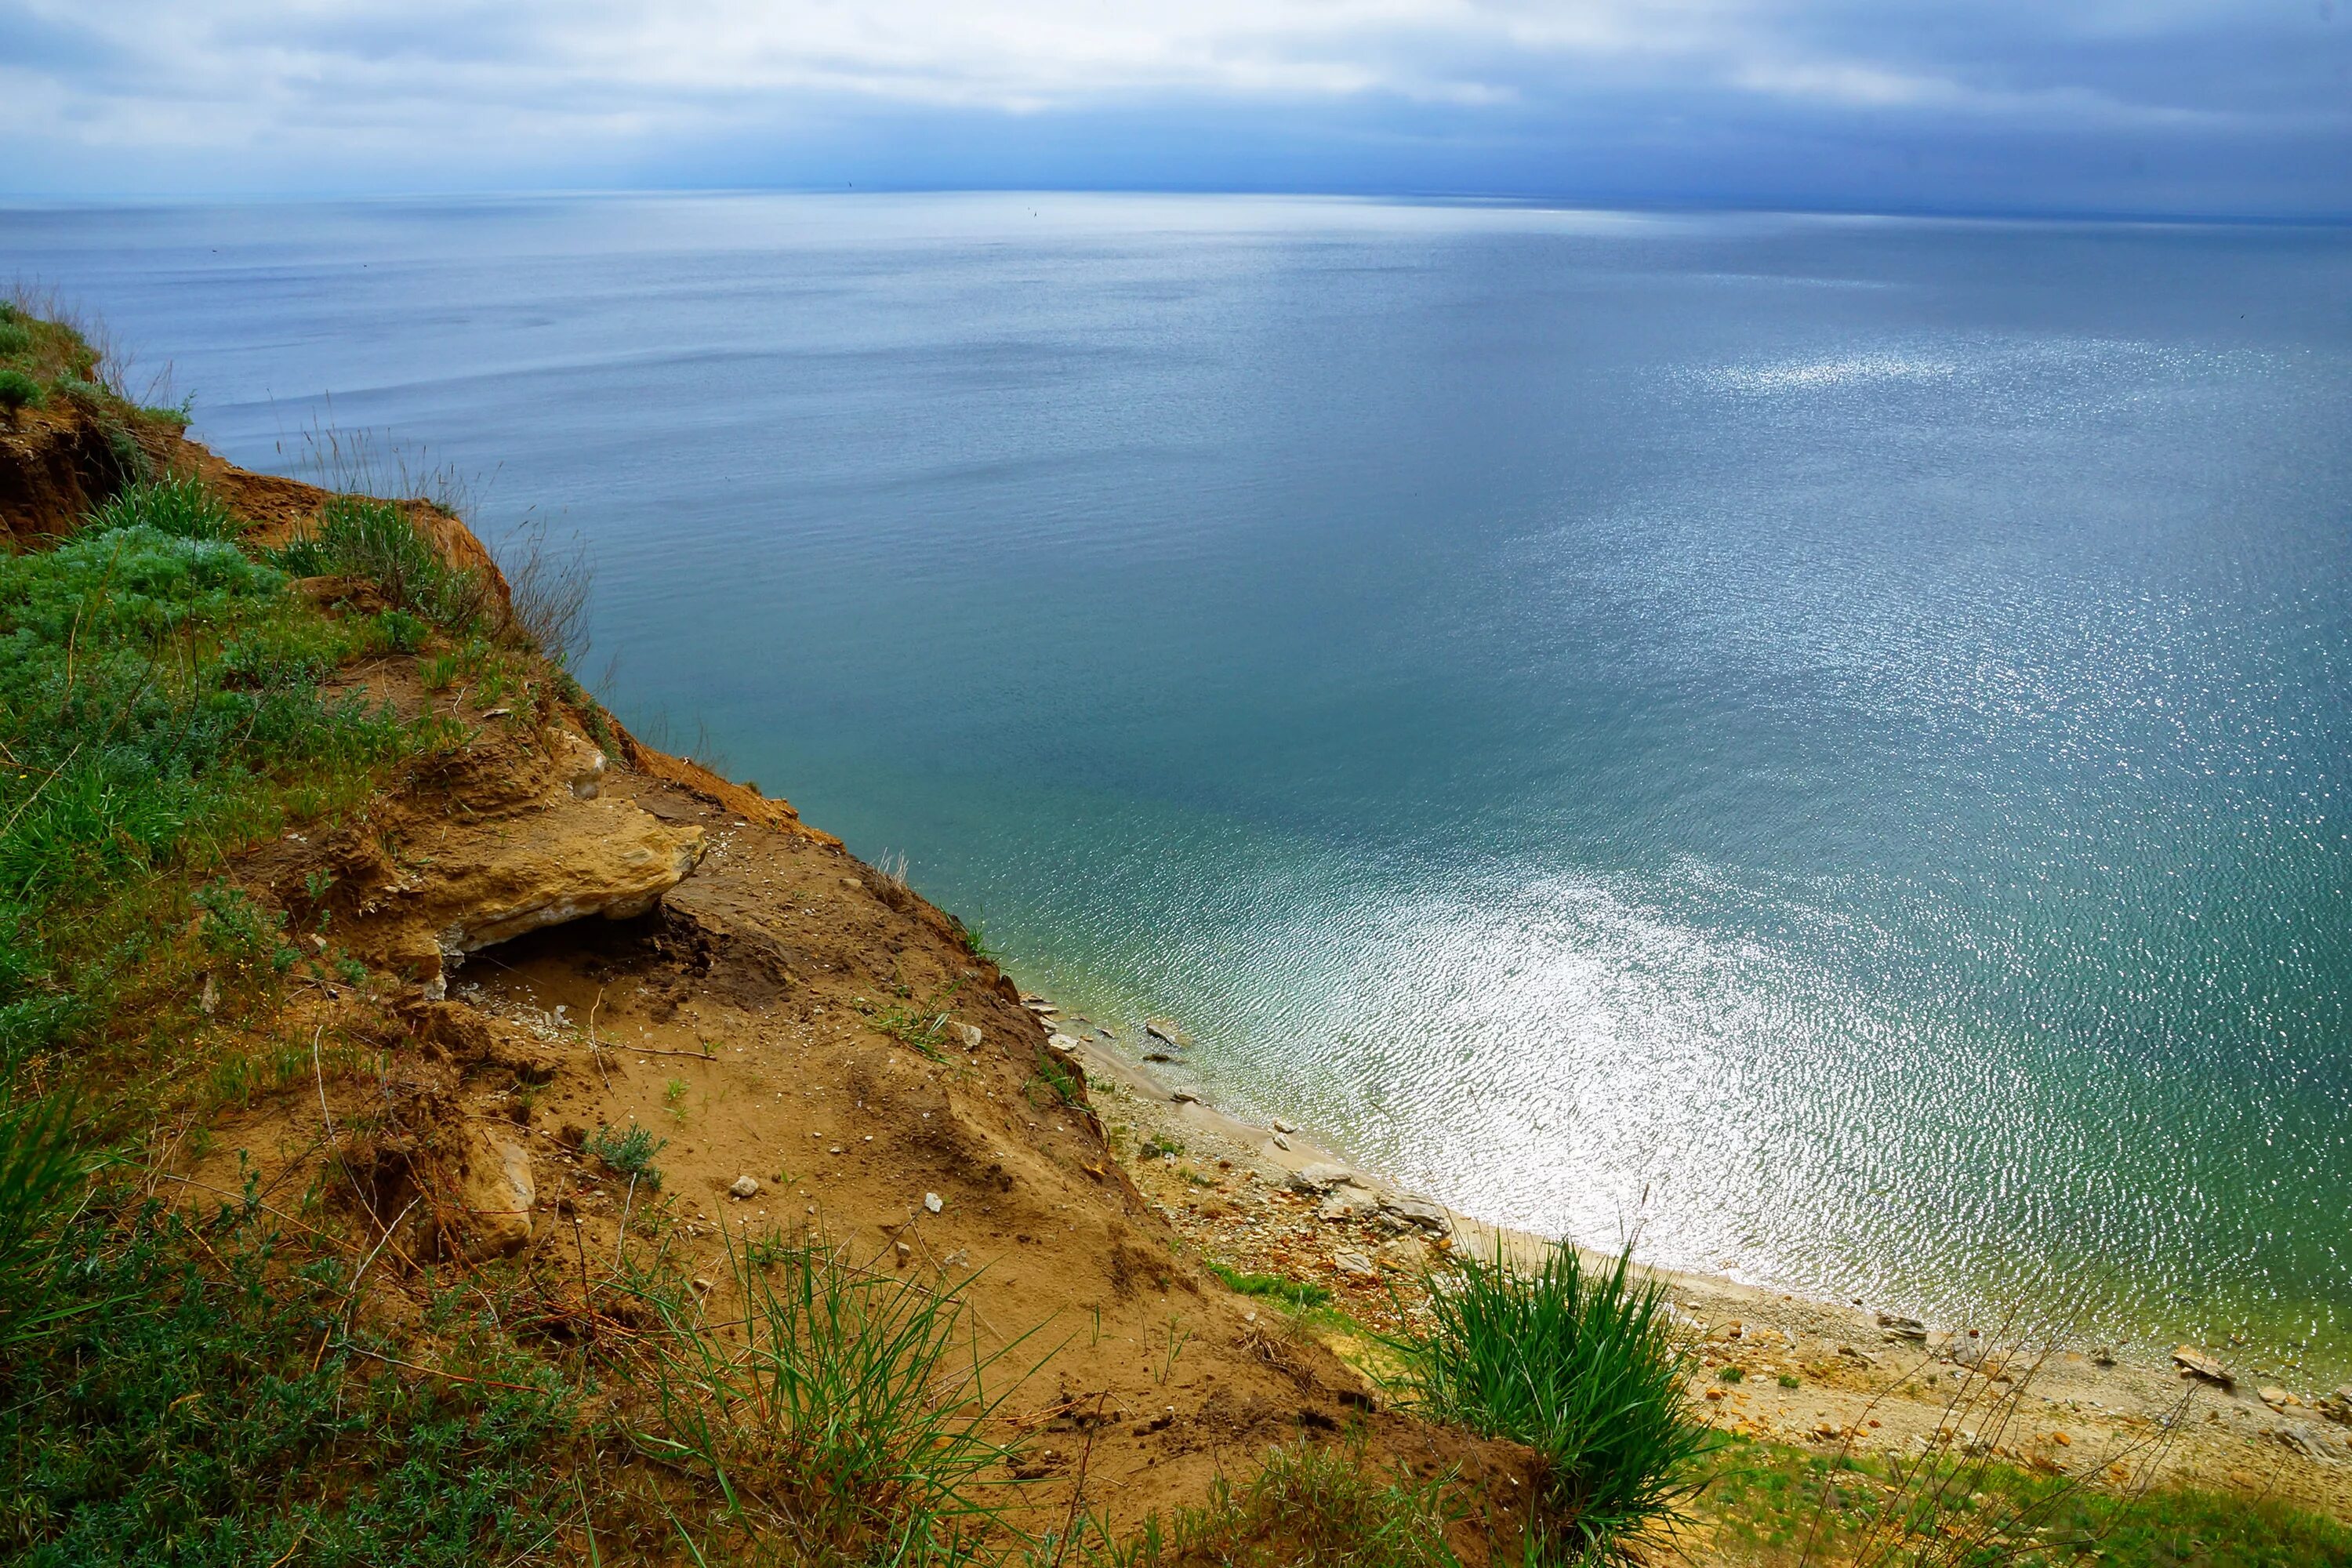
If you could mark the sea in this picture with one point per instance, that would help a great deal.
(1816, 747)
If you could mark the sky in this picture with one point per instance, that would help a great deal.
(2155, 108)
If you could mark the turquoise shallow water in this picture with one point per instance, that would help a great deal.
(1822, 739)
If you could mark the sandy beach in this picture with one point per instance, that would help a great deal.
(1827, 1375)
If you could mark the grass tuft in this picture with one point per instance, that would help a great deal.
(1296, 1294)
(183, 508)
(1308, 1507)
(358, 536)
(1582, 1367)
(841, 1419)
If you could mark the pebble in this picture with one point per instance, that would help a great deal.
(1356, 1264)
(931, 1202)
(969, 1035)
(1282, 1126)
(744, 1186)
(1185, 1096)
(2194, 1362)
(1065, 1043)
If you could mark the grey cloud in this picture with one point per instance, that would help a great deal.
(2195, 107)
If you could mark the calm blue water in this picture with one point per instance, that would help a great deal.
(1825, 739)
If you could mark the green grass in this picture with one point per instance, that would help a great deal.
(206, 1406)
(1308, 1507)
(42, 358)
(921, 1028)
(356, 536)
(160, 704)
(177, 1392)
(1771, 1503)
(1053, 1082)
(841, 1419)
(183, 507)
(1296, 1294)
(1581, 1366)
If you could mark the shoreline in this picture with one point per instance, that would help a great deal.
(1279, 1200)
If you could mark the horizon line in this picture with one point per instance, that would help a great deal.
(32, 201)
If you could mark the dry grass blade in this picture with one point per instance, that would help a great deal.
(1957, 1501)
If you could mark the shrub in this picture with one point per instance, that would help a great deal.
(1581, 1367)
(20, 391)
(629, 1153)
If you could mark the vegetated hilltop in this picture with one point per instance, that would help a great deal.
(442, 1129)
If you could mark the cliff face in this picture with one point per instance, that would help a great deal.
(544, 935)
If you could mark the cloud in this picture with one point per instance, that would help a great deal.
(2241, 104)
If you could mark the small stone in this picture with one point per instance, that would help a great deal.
(744, 1186)
(1280, 1142)
(905, 1252)
(1282, 1126)
(931, 1202)
(969, 1035)
(2104, 1356)
(1356, 1265)
(1162, 1030)
(1160, 1057)
(2337, 1406)
(1853, 1354)
(834, 1149)
(1898, 1326)
(2308, 1441)
(2194, 1362)
(853, 884)
(1407, 1252)
(1065, 1043)
(1185, 1096)
(702, 1286)
(1429, 1216)
(1348, 1203)
(2277, 1398)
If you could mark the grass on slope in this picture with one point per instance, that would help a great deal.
(1774, 1504)
(177, 1390)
